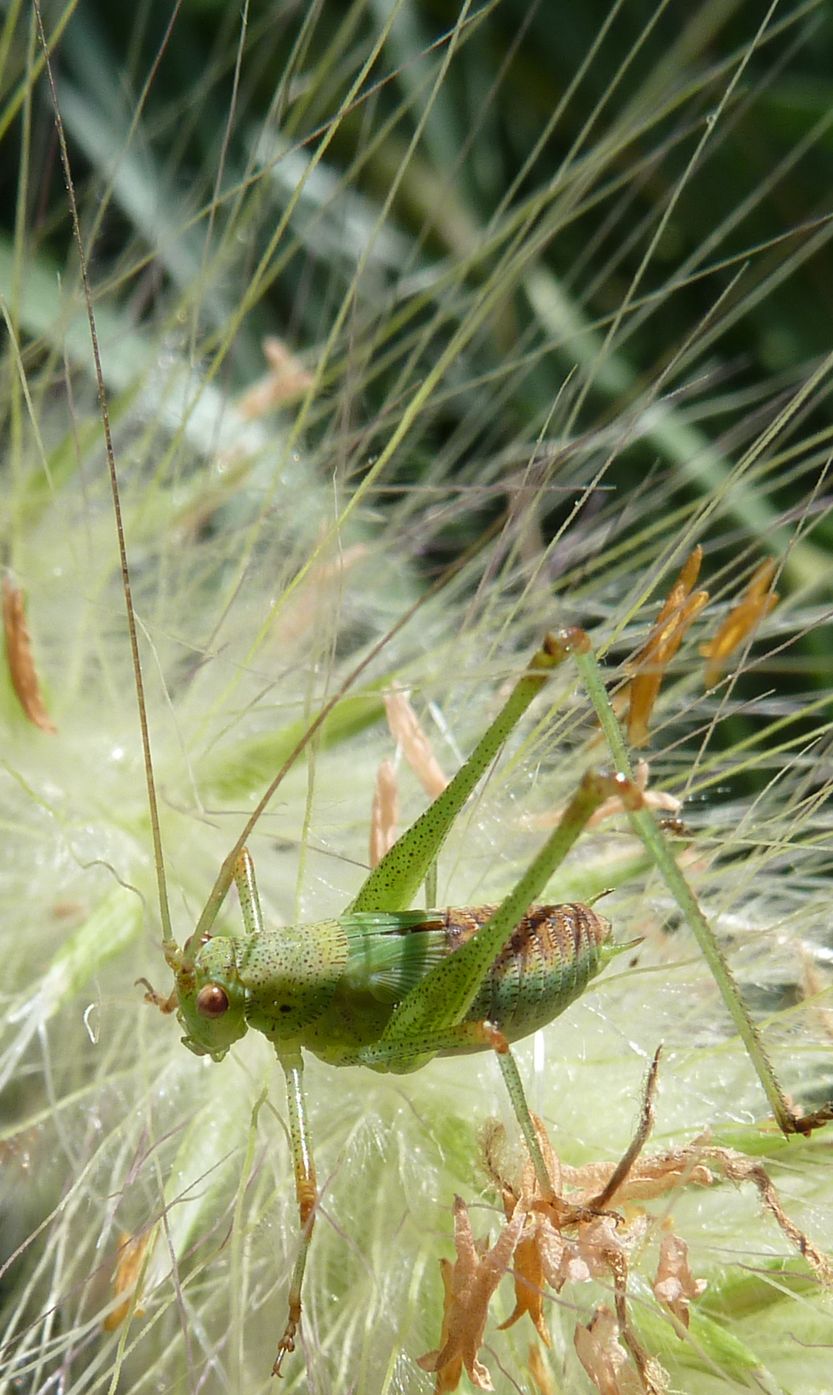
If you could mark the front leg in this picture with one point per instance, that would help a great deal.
(305, 1191)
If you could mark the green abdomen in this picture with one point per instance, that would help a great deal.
(549, 960)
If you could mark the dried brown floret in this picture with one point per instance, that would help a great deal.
(384, 812)
(408, 733)
(469, 1283)
(131, 1255)
(285, 382)
(649, 665)
(603, 1357)
(598, 1245)
(569, 1236)
(541, 1376)
(675, 1285)
(20, 658)
(754, 605)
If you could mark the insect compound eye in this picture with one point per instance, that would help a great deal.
(212, 1001)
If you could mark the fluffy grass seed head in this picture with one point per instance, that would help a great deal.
(430, 433)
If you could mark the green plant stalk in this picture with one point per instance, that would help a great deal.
(652, 836)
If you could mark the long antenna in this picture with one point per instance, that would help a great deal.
(169, 944)
(226, 872)
(183, 959)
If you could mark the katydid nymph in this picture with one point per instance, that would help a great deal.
(389, 987)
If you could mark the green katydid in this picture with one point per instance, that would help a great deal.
(388, 986)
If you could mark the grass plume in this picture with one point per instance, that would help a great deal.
(546, 300)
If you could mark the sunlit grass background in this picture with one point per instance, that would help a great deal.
(553, 283)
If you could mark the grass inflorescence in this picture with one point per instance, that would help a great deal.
(542, 308)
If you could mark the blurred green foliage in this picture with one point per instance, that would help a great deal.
(614, 219)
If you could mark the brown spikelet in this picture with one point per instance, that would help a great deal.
(20, 658)
(407, 731)
(674, 1284)
(131, 1254)
(649, 665)
(285, 382)
(469, 1283)
(754, 605)
(542, 1378)
(384, 812)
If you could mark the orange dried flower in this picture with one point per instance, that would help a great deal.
(285, 382)
(754, 605)
(675, 1285)
(21, 660)
(407, 731)
(131, 1254)
(384, 812)
(469, 1283)
(648, 668)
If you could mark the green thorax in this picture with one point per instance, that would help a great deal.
(332, 986)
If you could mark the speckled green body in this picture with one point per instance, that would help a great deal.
(333, 987)
(391, 988)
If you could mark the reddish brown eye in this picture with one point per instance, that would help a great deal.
(212, 1000)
